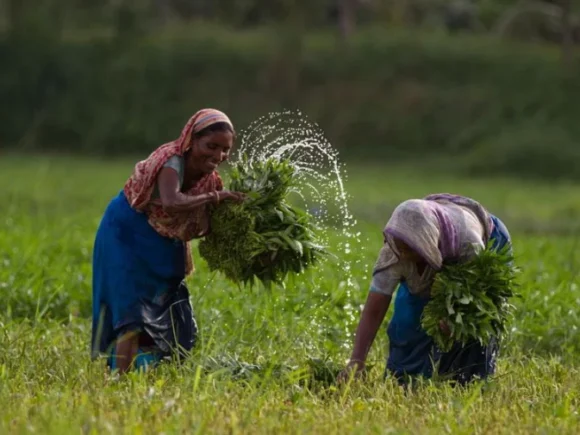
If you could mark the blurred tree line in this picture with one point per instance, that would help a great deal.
(548, 21)
(406, 79)
(533, 20)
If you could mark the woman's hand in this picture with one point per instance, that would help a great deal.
(228, 195)
(353, 365)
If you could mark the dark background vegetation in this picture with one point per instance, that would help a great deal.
(482, 87)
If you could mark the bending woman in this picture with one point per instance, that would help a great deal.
(141, 307)
(419, 238)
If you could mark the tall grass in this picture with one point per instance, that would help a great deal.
(253, 371)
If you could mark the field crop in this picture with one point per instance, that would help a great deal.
(263, 356)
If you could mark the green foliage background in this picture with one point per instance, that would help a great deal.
(475, 104)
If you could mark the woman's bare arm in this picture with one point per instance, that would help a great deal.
(373, 314)
(173, 201)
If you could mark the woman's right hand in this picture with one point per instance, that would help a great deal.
(228, 195)
(353, 366)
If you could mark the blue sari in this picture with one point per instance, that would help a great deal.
(413, 353)
(138, 286)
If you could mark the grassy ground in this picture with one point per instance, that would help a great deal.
(254, 369)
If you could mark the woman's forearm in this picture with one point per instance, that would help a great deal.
(372, 316)
(180, 202)
(173, 201)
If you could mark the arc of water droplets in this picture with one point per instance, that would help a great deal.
(289, 135)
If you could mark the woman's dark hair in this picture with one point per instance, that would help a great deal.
(214, 128)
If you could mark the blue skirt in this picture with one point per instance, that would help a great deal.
(413, 353)
(138, 284)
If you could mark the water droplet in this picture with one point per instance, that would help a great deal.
(289, 135)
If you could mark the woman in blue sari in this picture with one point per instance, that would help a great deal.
(420, 236)
(142, 255)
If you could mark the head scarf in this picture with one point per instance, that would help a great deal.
(428, 227)
(480, 212)
(139, 187)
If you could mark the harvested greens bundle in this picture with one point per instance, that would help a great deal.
(263, 238)
(472, 298)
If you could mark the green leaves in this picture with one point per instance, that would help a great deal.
(472, 299)
(265, 238)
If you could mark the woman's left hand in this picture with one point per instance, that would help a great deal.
(225, 195)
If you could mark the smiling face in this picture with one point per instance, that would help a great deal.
(210, 148)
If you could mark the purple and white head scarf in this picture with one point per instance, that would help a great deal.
(428, 227)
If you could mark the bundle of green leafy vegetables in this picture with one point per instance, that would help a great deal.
(264, 238)
(472, 299)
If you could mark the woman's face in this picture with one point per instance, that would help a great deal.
(407, 253)
(210, 151)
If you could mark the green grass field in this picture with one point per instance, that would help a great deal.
(252, 371)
